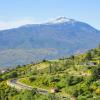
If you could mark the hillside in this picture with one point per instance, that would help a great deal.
(59, 38)
(76, 77)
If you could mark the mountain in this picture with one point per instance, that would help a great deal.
(57, 38)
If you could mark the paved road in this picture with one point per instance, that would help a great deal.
(21, 86)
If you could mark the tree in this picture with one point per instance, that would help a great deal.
(50, 69)
(1, 79)
(96, 72)
(88, 56)
(32, 79)
(72, 57)
(13, 74)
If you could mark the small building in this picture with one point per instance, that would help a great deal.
(2, 71)
(91, 63)
(54, 90)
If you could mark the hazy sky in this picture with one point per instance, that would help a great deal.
(14, 13)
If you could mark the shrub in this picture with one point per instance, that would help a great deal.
(31, 79)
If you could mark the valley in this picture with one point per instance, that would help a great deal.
(54, 39)
(49, 50)
(76, 77)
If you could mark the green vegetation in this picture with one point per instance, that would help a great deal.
(76, 77)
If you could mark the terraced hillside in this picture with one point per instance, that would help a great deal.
(76, 77)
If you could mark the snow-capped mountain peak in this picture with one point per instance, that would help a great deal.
(61, 20)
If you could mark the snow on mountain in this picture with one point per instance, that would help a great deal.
(61, 20)
(61, 37)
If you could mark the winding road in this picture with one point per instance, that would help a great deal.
(20, 86)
